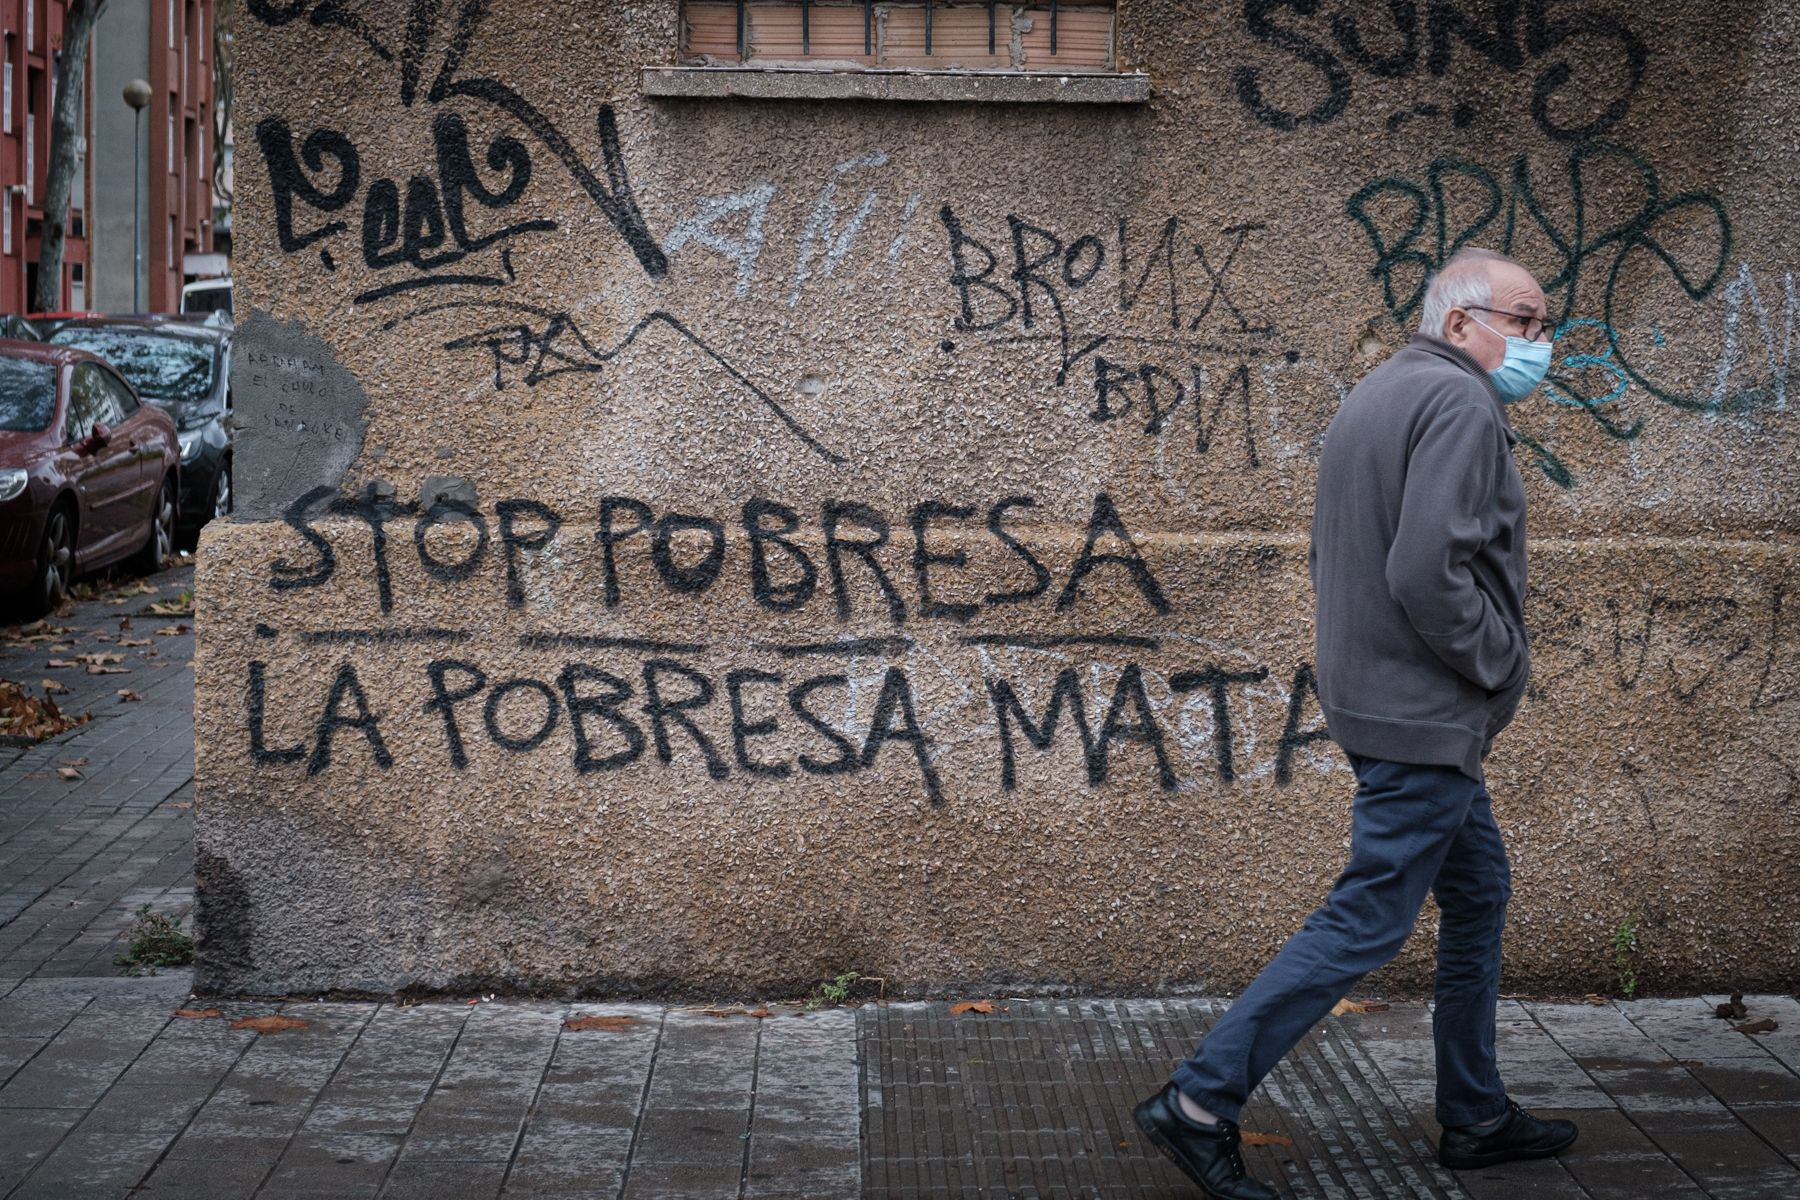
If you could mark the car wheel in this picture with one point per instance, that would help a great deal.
(161, 543)
(56, 561)
(221, 499)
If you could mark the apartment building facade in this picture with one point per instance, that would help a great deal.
(31, 38)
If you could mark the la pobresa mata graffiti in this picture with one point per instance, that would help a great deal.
(1065, 663)
(837, 705)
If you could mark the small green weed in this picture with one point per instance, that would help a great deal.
(833, 991)
(156, 941)
(1624, 943)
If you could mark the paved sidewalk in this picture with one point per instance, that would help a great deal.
(106, 1091)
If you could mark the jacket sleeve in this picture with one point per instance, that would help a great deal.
(1452, 482)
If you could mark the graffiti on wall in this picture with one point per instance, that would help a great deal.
(1558, 49)
(1150, 326)
(851, 563)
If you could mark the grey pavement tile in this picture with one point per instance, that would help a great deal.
(29, 1011)
(1685, 1027)
(446, 1133)
(1614, 1160)
(203, 1179)
(692, 1135)
(560, 1154)
(1723, 1155)
(339, 1166)
(682, 1181)
(190, 1050)
(801, 1166)
(445, 1181)
(1776, 1124)
(15, 1052)
(28, 1135)
(1543, 1179)
(1641, 1087)
(114, 1146)
(75, 1069)
(1739, 1081)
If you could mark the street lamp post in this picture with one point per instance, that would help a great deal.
(137, 95)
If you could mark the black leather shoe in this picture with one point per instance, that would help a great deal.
(1207, 1154)
(1519, 1135)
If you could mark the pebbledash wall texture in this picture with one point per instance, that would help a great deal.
(703, 544)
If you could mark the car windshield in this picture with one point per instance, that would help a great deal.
(162, 367)
(27, 395)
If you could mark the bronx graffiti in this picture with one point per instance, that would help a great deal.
(1188, 351)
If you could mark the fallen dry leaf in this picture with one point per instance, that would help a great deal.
(73, 762)
(1348, 1005)
(1250, 1137)
(126, 694)
(273, 1023)
(171, 631)
(51, 686)
(124, 624)
(969, 1006)
(760, 1013)
(96, 669)
(1732, 1011)
(170, 608)
(610, 1024)
(1766, 1025)
(68, 773)
(25, 715)
(197, 1014)
(1596, 999)
(134, 641)
(100, 658)
(61, 664)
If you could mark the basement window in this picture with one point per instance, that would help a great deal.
(848, 34)
(969, 50)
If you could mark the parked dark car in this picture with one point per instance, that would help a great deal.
(183, 368)
(88, 476)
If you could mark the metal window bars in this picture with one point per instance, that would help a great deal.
(743, 25)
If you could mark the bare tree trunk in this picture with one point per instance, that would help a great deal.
(65, 136)
(224, 92)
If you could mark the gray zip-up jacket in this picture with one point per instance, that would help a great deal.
(1418, 562)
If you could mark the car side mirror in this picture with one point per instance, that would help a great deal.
(98, 438)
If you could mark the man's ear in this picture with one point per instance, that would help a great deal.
(1456, 326)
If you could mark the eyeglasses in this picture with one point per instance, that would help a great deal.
(1531, 327)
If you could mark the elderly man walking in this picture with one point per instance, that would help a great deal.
(1418, 564)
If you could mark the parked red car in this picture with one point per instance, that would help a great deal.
(88, 476)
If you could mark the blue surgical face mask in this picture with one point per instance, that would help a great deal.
(1523, 367)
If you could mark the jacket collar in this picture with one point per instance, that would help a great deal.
(1428, 344)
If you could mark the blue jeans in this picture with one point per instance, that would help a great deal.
(1414, 829)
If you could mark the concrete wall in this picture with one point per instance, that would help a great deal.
(667, 544)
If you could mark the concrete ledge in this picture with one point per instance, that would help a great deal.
(993, 87)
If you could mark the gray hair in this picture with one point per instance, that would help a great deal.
(1462, 282)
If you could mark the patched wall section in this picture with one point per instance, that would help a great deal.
(714, 544)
